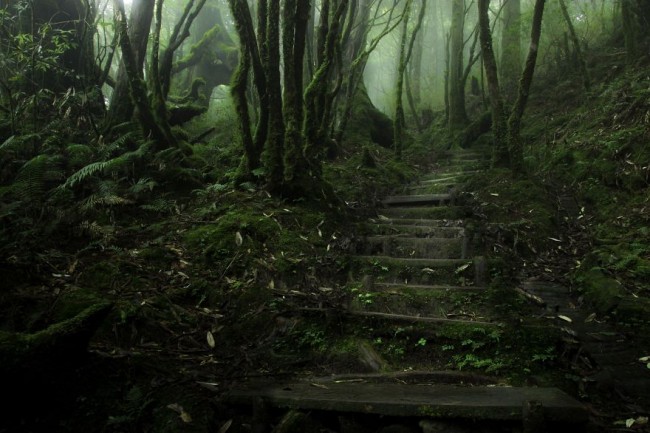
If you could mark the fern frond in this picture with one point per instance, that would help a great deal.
(85, 172)
(30, 181)
(79, 155)
(159, 205)
(97, 200)
(143, 184)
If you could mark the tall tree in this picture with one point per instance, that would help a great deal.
(510, 65)
(120, 107)
(508, 146)
(457, 113)
(404, 58)
(576, 45)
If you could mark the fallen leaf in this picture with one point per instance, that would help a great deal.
(319, 385)
(462, 268)
(590, 318)
(224, 428)
(565, 318)
(238, 239)
(210, 339)
(186, 417)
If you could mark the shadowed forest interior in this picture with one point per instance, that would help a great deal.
(325, 215)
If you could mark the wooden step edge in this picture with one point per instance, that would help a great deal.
(433, 223)
(396, 317)
(419, 377)
(418, 197)
(422, 261)
(502, 403)
(408, 238)
(436, 287)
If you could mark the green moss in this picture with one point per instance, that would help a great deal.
(603, 292)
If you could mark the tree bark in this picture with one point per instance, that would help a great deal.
(577, 46)
(500, 157)
(152, 126)
(510, 66)
(457, 113)
(120, 108)
(251, 161)
(514, 122)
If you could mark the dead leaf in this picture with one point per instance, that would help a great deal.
(186, 417)
(224, 428)
(319, 385)
(590, 318)
(210, 339)
(462, 268)
(565, 318)
(238, 239)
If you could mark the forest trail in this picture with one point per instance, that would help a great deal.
(419, 293)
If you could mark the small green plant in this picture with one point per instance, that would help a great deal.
(366, 298)
(547, 355)
(421, 342)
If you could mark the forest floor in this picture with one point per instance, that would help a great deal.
(230, 286)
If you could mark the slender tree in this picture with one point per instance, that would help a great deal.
(510, 64)
(576, 46)
(120, 108)
(508, 147)
(457, 113)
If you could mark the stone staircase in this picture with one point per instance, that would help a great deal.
(418, 294)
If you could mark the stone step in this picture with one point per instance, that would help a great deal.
(417, 199)
(412, 318)
(445, 172)
(416, 230)
(444, 223)
(415, 247)
(394, 287)
(430, 305)
(444, 178)
(386, 269)
(426, 212)
(433, 188)
(404, 400)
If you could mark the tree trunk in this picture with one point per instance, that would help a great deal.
(577, 46)
(399, 122)
(121, 107)
(251, 161)
(500, 157)
(273, 154)
(152, 125)
(296, 18)
(457, 113)
(510, 49)
(514, 122)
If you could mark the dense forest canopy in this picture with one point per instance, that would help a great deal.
(164, 142)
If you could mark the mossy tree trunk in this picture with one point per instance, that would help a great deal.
(635, 15)
(457, 113)
(400, 122)
(405, 57)
(179, 34)
(316, 94)
(152, 126)
(274, 151)
(514, 122)
(576, 45)
(510, 64)
(500, 157)
(508, 148)
(294, 43)
(121, 107)
(356, 56)
(239, 86)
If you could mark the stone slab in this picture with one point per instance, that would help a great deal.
(434, 401)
